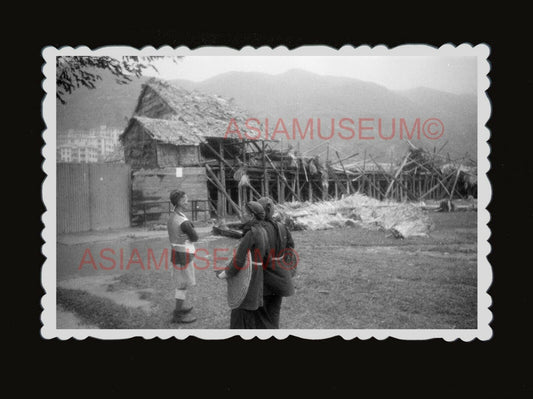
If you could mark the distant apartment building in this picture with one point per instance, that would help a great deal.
(64, 153)
(86, 145)
(77, 154)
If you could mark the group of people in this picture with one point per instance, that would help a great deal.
(266, 247)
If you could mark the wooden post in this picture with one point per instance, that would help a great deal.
(348, 182)
(213, 179)
(218, 156)
(386, 175)
(264, 191)
(212, 207)
(363, 171)
(370, 185)
(222, 199)
(432, 189)
(277, 172)
(434, 173)
(339, 183)
(242, 189)
(455, 182)
(294, 188)
(298, 188)
(278, 188)
(281, 185)
(397, 174)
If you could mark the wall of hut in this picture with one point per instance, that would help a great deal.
(169, 155)
(151, 189)
(139, 148)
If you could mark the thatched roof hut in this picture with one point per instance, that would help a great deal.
(171, 126)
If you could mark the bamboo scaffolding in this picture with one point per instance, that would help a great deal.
(222, 172)
(433, 173)
(434, 187)
(264, 191)
(344, 159)
(396, 175)
(277, 172)
(388, 176)
(338, 182)
(348, 181)
(214, 180)
(418, 176)
(368, 180)
(455, 182)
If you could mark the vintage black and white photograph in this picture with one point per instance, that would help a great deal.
(266, 192)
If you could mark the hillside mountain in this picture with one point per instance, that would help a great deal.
(459, 110)
(302, 95)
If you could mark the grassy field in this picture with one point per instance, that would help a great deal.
(347, 278)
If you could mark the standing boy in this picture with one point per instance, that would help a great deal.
(181, 234)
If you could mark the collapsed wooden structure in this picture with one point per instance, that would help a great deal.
(288, 176)
(175, 128)
(420, 175)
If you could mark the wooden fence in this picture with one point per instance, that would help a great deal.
(92, 196)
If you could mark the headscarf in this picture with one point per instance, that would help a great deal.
(268, 206)
(257, 225)
(257, 209)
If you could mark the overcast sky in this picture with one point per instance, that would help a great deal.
(452, 74)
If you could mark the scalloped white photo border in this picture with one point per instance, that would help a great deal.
(484, 272)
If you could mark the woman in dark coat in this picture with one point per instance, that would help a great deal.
(277, 275)
(254, 240)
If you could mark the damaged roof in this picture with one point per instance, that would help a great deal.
(187, 117)
(167, 131)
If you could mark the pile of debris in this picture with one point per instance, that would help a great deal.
(400, 219)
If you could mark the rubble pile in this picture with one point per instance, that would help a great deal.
(401, 219)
